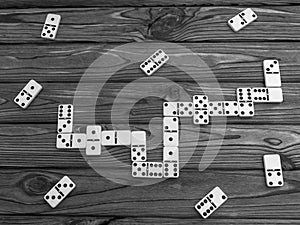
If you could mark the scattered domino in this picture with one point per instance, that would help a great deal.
(271, 95)
(59, 192)
(212, 201)
(200, 103)
(242, 19)
(138, 146)
(51, 26)
(154, 62)
(171, 162)
(65, 118)
(93, 140)
(273, 170)
(28, 94)
(70, 141)
(272, 73)
(116, 138)
(171, 131)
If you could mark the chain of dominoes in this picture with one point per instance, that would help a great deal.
(200, 109)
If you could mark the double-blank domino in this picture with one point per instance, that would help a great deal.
(213, 200)
(241, 20)
(28, 94)
(273, 170)
(59, 192)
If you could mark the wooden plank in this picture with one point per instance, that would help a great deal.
(127, 24)
(120, 3)
(241, 148)
(44, 108)
(230, 62)
(22, 192)
(95, 220)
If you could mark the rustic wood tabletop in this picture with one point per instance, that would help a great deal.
(31, 164)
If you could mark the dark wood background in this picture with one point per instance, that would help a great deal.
(31, 165)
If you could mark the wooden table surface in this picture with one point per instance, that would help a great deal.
(31, 165)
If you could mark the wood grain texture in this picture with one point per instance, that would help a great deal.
(95, 220)
(22, 192)
(136, 3)
(179, 24)
(243, 147)
(230, 62)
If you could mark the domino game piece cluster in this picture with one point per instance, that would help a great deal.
(200, 110)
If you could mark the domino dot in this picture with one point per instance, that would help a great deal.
(53, 197)
(223, 197)
(52, 19)
(202, 204)
(211, 208)
(198, 207)
(278, 174)
(142, 149)
(107, 137)
(53, 29)
(138, 154)
(231, 21)
(253, 15)
(211, 195)
(22, 94)
(17, 99)
(280, 183)
(270, 183)
(48, 31)
(143, 158)
(204, 214)
(47, 197)
(170, 139)
(93, 148)
(205, 200)
(275, 62)
(208, 211)
(174, 119)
